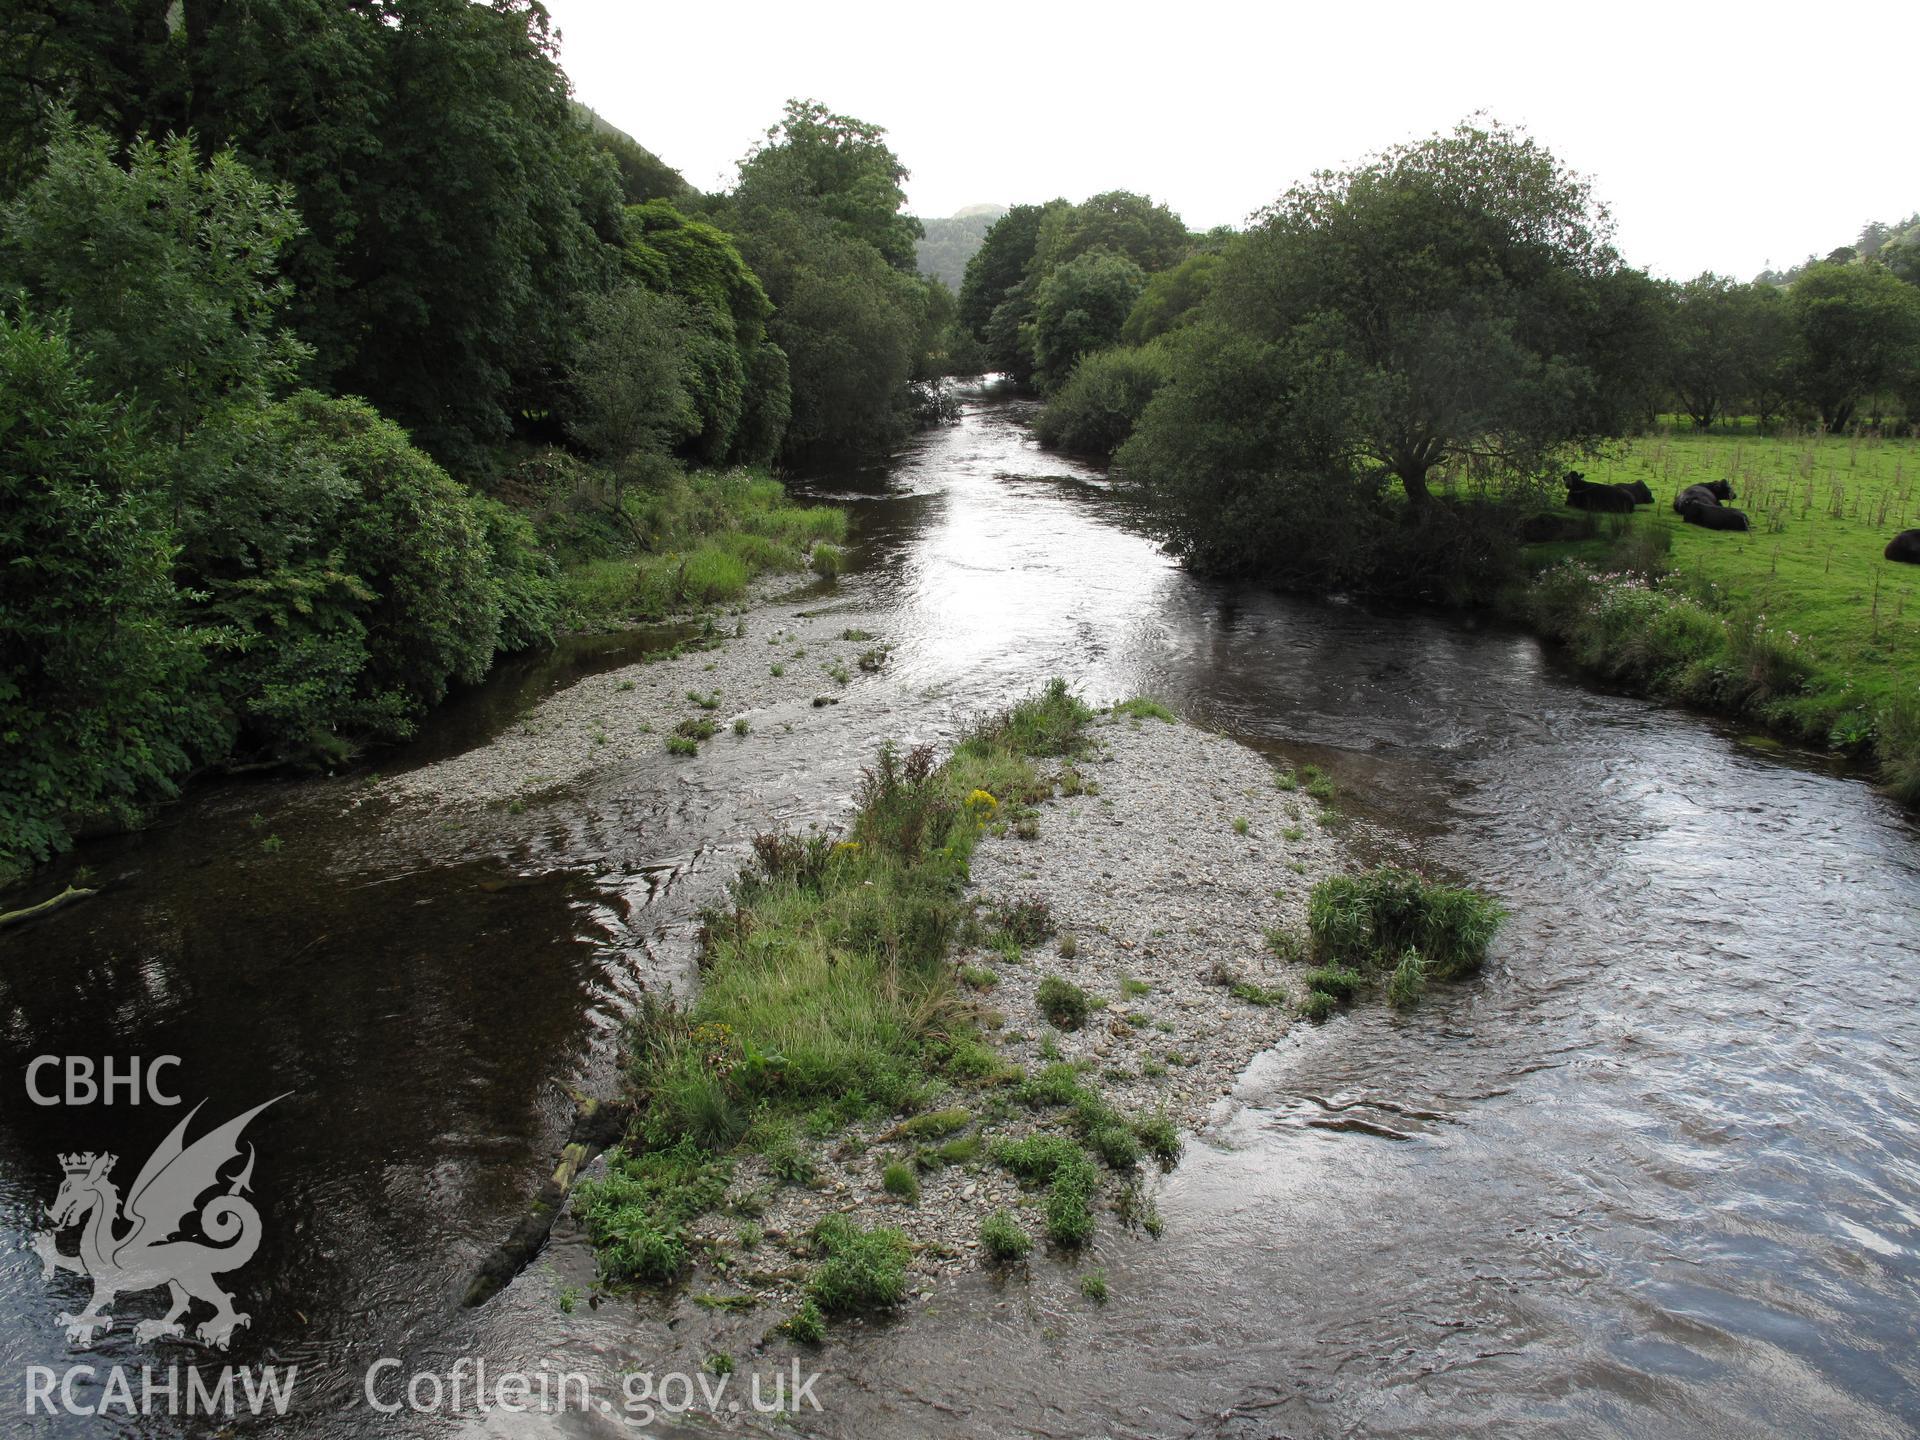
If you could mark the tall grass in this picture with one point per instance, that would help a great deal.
(685, 541)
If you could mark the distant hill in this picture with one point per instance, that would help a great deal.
(950, 243)
(643, 175)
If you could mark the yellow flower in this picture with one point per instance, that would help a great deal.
(981, 805)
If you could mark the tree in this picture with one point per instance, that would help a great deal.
(1148, 234)
(455, 207)
(1715, 339)
(1172, 298)
(628, 377)
(1079, 308)
(728, 309)
(167, 269)
(1461, 277)
(817, 216)
(842, 166)
(1859, 329)
(1000, 264)
(100, 706)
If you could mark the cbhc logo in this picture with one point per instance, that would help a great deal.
(82, 1082)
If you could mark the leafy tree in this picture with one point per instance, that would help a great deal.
(1079, 308)
(1859, 329)
(816, 214)
(1148, 234)
(455, 206)
(345, 578)
(842, 166)
(1718, 344)
(1461, 277)
(166, 268)
(1245, 457)
(1171, 297)
(1000, 264)
(100, 704)
(727, 313)
(628, 376)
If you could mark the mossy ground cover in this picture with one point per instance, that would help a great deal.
(1800, 621)
(828, 999)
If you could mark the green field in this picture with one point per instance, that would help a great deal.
(1811, 573)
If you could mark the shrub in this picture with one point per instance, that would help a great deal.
(100, 704)
(1103, 399)
(828, 561)
(1064, 1004)
(1003, 1239)
(349, 578)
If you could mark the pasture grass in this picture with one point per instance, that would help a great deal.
(1800, 621)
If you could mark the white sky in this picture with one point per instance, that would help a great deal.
(1724, 137)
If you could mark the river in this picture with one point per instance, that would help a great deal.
(1656, 1172)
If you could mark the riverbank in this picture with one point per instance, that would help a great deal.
(1800, 624)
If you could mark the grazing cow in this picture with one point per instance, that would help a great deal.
(1583, 494)
(1714, 516)
(1905, 547)
(1716, 492)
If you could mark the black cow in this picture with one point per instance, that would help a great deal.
(1714, 516)
(1905, 547)
(1583, 494)
(1638, 489)
(1714, 492)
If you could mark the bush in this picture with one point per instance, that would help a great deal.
(1096, 410)
(828, 561)
(101, 708)
(1065, 1004)
(1371, 920)
(349, 579)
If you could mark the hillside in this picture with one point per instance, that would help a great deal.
(950, 243)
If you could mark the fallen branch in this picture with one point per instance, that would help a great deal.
(45, 907)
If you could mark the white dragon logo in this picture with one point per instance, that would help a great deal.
(147, 1256)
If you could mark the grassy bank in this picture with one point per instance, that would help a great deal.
(1799, 623)
(670, 541)
(829, 1000)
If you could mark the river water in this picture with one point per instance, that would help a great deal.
(1656, 1172)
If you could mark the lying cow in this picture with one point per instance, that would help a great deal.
(1905, 547)
(1714, 492)
(1716, 517)
(1583, 494)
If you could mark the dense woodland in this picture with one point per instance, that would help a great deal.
(337, 336)
(334, 331)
